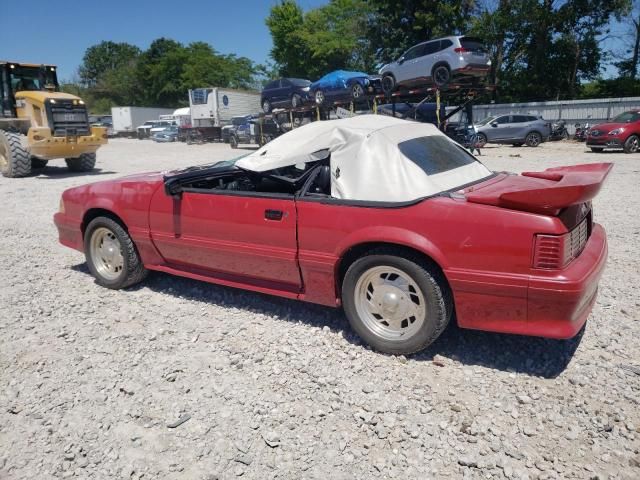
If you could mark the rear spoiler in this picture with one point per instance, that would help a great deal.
(545, 192)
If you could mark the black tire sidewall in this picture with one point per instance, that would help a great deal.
(122, 237)
(268, 104)
(433, 75)
(626, 146)
(482, 139)
(436, 314)
(530, 135)
(392, 83)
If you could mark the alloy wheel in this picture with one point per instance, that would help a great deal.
(106, 253)
(319, 97)
(389, 302)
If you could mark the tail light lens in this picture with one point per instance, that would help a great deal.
(460, 50)
(557, 251)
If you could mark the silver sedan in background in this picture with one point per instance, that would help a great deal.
(513, 129)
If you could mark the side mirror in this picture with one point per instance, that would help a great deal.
(400, 60)
(494, 124)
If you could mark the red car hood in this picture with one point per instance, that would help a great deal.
(545, 192)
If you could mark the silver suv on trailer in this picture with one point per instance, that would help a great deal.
(513, 129)
(437, 62)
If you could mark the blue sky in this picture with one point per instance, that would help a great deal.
(59, 32)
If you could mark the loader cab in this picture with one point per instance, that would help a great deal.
(16, 77)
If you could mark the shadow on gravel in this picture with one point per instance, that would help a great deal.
(55, 173)
(511, 353)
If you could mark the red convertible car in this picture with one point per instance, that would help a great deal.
(389, 219)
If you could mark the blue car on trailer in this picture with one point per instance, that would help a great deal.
(343, 85)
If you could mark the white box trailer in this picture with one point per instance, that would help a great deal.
(127, 119)
(215, 107)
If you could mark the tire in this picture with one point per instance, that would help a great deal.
(233, 141)
(296, 101)
(84, 163)
(319, 97)
(266, 106)
(357, 92)
(632, 144)
(15, 160)
(597, 149)
(533, 139)
(427, 301)
(441, 75)
(37, 163)
(388, 84)
(481, 141)
(115, 270)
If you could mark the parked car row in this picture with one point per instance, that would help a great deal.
(432, 63)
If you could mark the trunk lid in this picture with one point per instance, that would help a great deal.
(547, 192)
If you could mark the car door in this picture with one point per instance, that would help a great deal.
(242, 237)
(499, 128)
(521, 125)
(284, 92)
(407, 65)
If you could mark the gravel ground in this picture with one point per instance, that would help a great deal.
(93, 379)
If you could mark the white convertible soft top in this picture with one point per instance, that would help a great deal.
(367, 161)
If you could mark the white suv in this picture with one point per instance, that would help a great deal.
(437, 62)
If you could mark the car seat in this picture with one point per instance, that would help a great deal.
(322, 182)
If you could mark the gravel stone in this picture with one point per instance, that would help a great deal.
(283, 389)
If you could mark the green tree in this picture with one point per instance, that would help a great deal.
(290, 52)
(105, 57)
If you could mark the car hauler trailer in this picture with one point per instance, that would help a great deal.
(127, 119)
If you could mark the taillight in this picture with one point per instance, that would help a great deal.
(460, 50)
(556, 251)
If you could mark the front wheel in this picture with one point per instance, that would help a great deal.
(632, 144)
(533, 139)
(388, 84)
(319, 97)
(14, 157)
(84, 163)
(266, 106)
(357, 92)
(395, 302)
(296, 101)
(111, 256)
(481, 140)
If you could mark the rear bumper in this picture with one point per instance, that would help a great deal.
(69, 231)
(550, 304)
(558, 306)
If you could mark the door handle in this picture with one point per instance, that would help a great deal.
(273, 214)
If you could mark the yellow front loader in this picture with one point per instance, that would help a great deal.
(38, 123)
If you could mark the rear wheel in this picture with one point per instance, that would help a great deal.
(111, 256)
(38, 163)
(632, 144)
(441, 75)
(395, 302)
(15, 160)
(84, 163)
(533, 139)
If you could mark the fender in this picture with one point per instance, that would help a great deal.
(399, 236)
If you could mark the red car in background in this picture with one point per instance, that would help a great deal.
(621, 133)
(388, 218)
